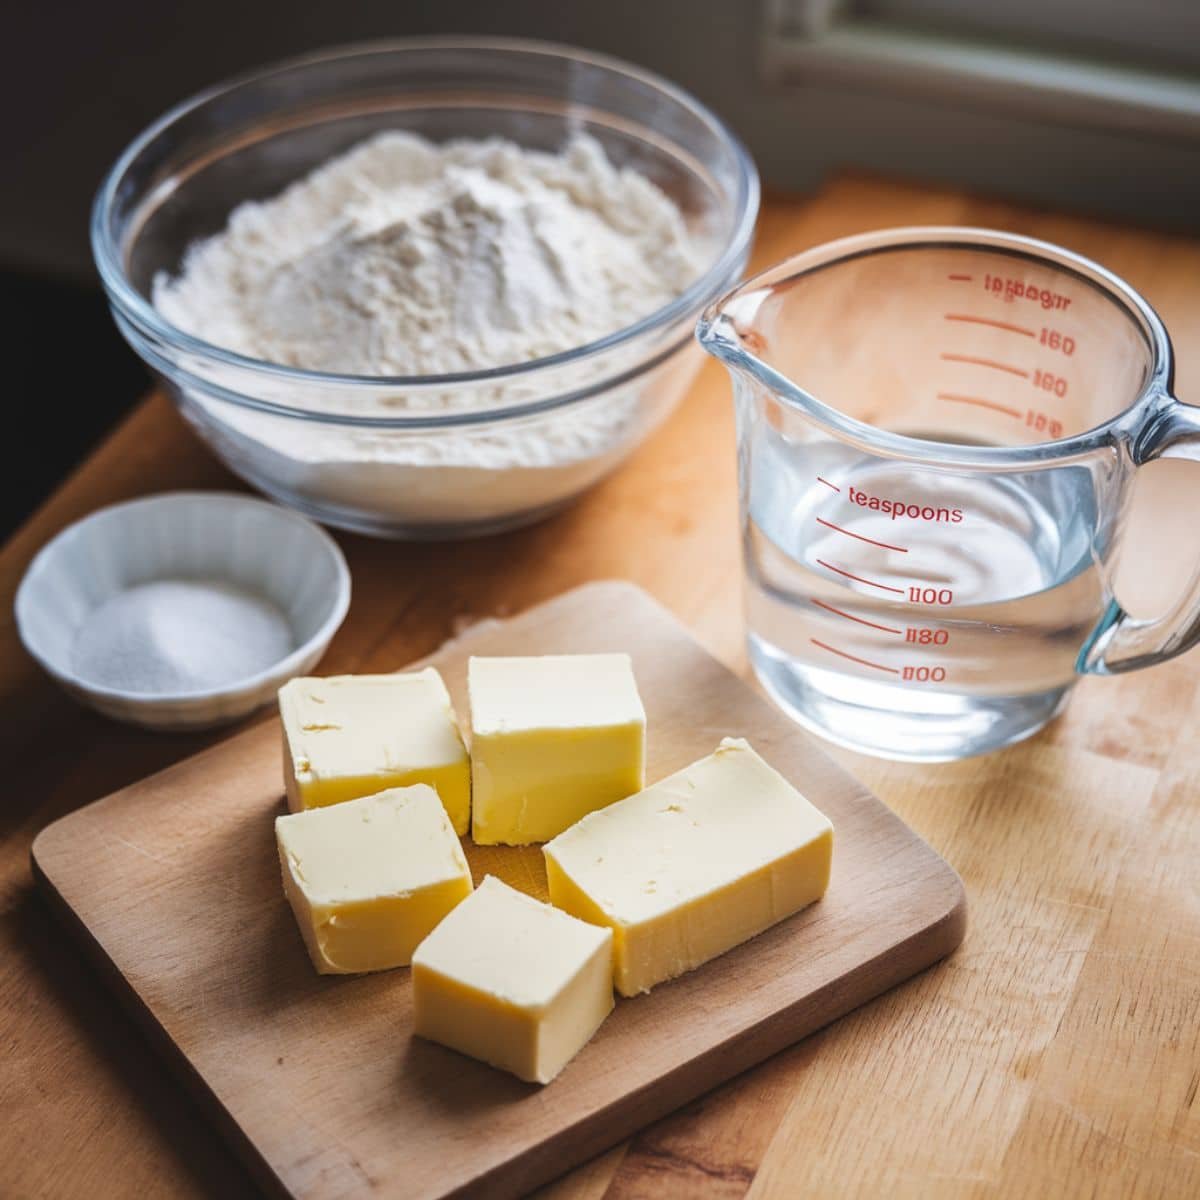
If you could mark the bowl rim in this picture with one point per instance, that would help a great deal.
(135, 308)
(282, 669)
(415, 421)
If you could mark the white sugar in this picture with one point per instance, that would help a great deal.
(180, 635)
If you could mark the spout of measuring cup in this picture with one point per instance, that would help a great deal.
(727, 328)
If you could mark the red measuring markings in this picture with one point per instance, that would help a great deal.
(924, 674)
(920, 674)
(985, 362)
(860, 620)
(858, 579)
(828, 484)
(980, 403)
(898, 508)
(861, 538)
(1044, 423)
(924, 636)
(960, 278)
(866, 662)
(920, 594)
(1005, 325)
(917, 634)
(1047, 381)
(1057, 340)
(1010, 290)
(1037, 420)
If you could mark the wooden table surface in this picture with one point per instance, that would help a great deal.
(1057, 1053)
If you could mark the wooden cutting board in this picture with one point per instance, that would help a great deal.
(174, 883)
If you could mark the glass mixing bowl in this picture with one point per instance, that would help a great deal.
(428, 456)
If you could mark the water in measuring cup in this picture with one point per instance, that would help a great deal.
(916, 614)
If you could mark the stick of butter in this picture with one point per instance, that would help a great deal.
(368, 879)
(553, 738)
(350, 735)
(693, 865)
(514, 982)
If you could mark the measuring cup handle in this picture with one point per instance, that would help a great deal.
(1124, 643)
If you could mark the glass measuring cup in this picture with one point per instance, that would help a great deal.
(938, 430)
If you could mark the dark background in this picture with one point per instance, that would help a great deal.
(78, 81)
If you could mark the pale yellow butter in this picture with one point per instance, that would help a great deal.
(368, 879)
(553, 738)
(350, 735)
(514, 982)
(692, 866)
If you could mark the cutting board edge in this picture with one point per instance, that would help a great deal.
(607, 1127)
(604, 1128)
(156, 1036)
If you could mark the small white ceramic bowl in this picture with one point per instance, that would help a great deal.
(252, 544)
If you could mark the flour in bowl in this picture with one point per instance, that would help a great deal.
(403, 257)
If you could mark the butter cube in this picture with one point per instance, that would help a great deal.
(368, 879)
(553, 738)
(350, 735)
(692, 866)
(514, 982)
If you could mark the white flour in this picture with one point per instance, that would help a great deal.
(405, 258)
(402, 257)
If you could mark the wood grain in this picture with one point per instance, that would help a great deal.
(1028, 943)
(76, 1076)
(175, 883)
